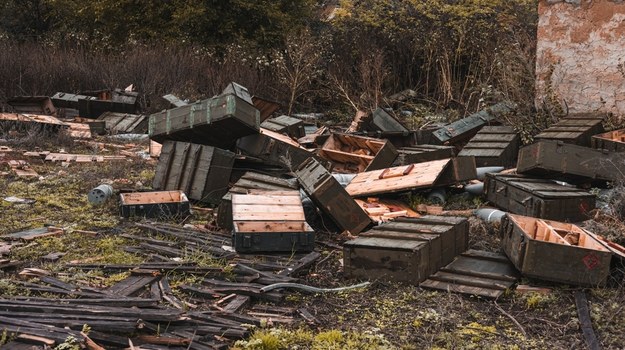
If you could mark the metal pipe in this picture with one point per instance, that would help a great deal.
(100, 194)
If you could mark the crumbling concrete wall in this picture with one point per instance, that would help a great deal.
(581, 55)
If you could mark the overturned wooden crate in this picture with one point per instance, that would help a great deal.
(355, 154)
(432, 174)
(381, 120)
(202, 172)
(465, 128)
(218, 121)
(539, 198)
(41, 105)
(249, 182)
(493, 146)
(274, 148)
(67, 100)
(576, 129)
(475, 272)
(124, 123)
(270, 222)
(570, 162)
(612, 141)
(158, 204)
(405, 250)
(423, 153)
(326, 192)
(554, 251)
(284, 124)
(382, 210)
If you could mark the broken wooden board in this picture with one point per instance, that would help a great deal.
(554, 251)
(81, 158)
(330, 197)
(41, 105)
(465, 128)
(158, 204)
(218, 122)
(569, 162)
(354, 154)
(124, 123)
(274, 148)
(201, 172)
(79, 130)
(270, 221)
(22, 169)
(155, 149)
(29, 235)
(612, 141)
(436, 173)
(575, 129)
(493, 146)
(423, 153)
(382, 210)
(475, 272)
(45, 120)
(248, 182)
(284, 124)
(538, 198)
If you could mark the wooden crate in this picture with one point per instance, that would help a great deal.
(539, 198)
(554, 251)
(465, 128)
(493, 146)
(612, 141)
(355, 154)
(436, 173)
(284, 124)
(159, 204)
(570, 162)
(381, 120)
(202, 172)
(405, 250)
(250, 181)
(41, 105)
(423, 153)
(65, 100)
(124, 123)
(274, 148)
(382, 210)
(270, 222)
(218, 121)
(475, 272)
(576, 129)
(89, 108)
(459, 227)
(330, 197)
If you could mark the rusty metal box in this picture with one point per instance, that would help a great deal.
(202, 172)
(554, 251)
(540, 198)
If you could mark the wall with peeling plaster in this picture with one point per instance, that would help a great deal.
(581, 55)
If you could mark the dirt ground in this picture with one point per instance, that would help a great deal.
(381, 316)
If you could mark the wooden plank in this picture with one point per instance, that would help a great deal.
(583, 312)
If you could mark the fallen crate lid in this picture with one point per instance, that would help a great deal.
(475, 272)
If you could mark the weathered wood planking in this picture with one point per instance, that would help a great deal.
(154, 204)
(218, 121)
(274, 148)
(492, 146)
(202, 172)
(330, 197)
(423, 153)
(406, 250)
(570, 162)
(382, 210)
(575, 129)
(538, 198)
(554, 251)
(81, 158)
(409, 177)
(465, 128)
(29, 235)
(249, 182)
(270, 221)
(32, 105)
(284, 124)
(475, 272)
(124, 123)
(612, 141)
(354, 154)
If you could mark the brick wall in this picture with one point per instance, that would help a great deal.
(581, 55)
